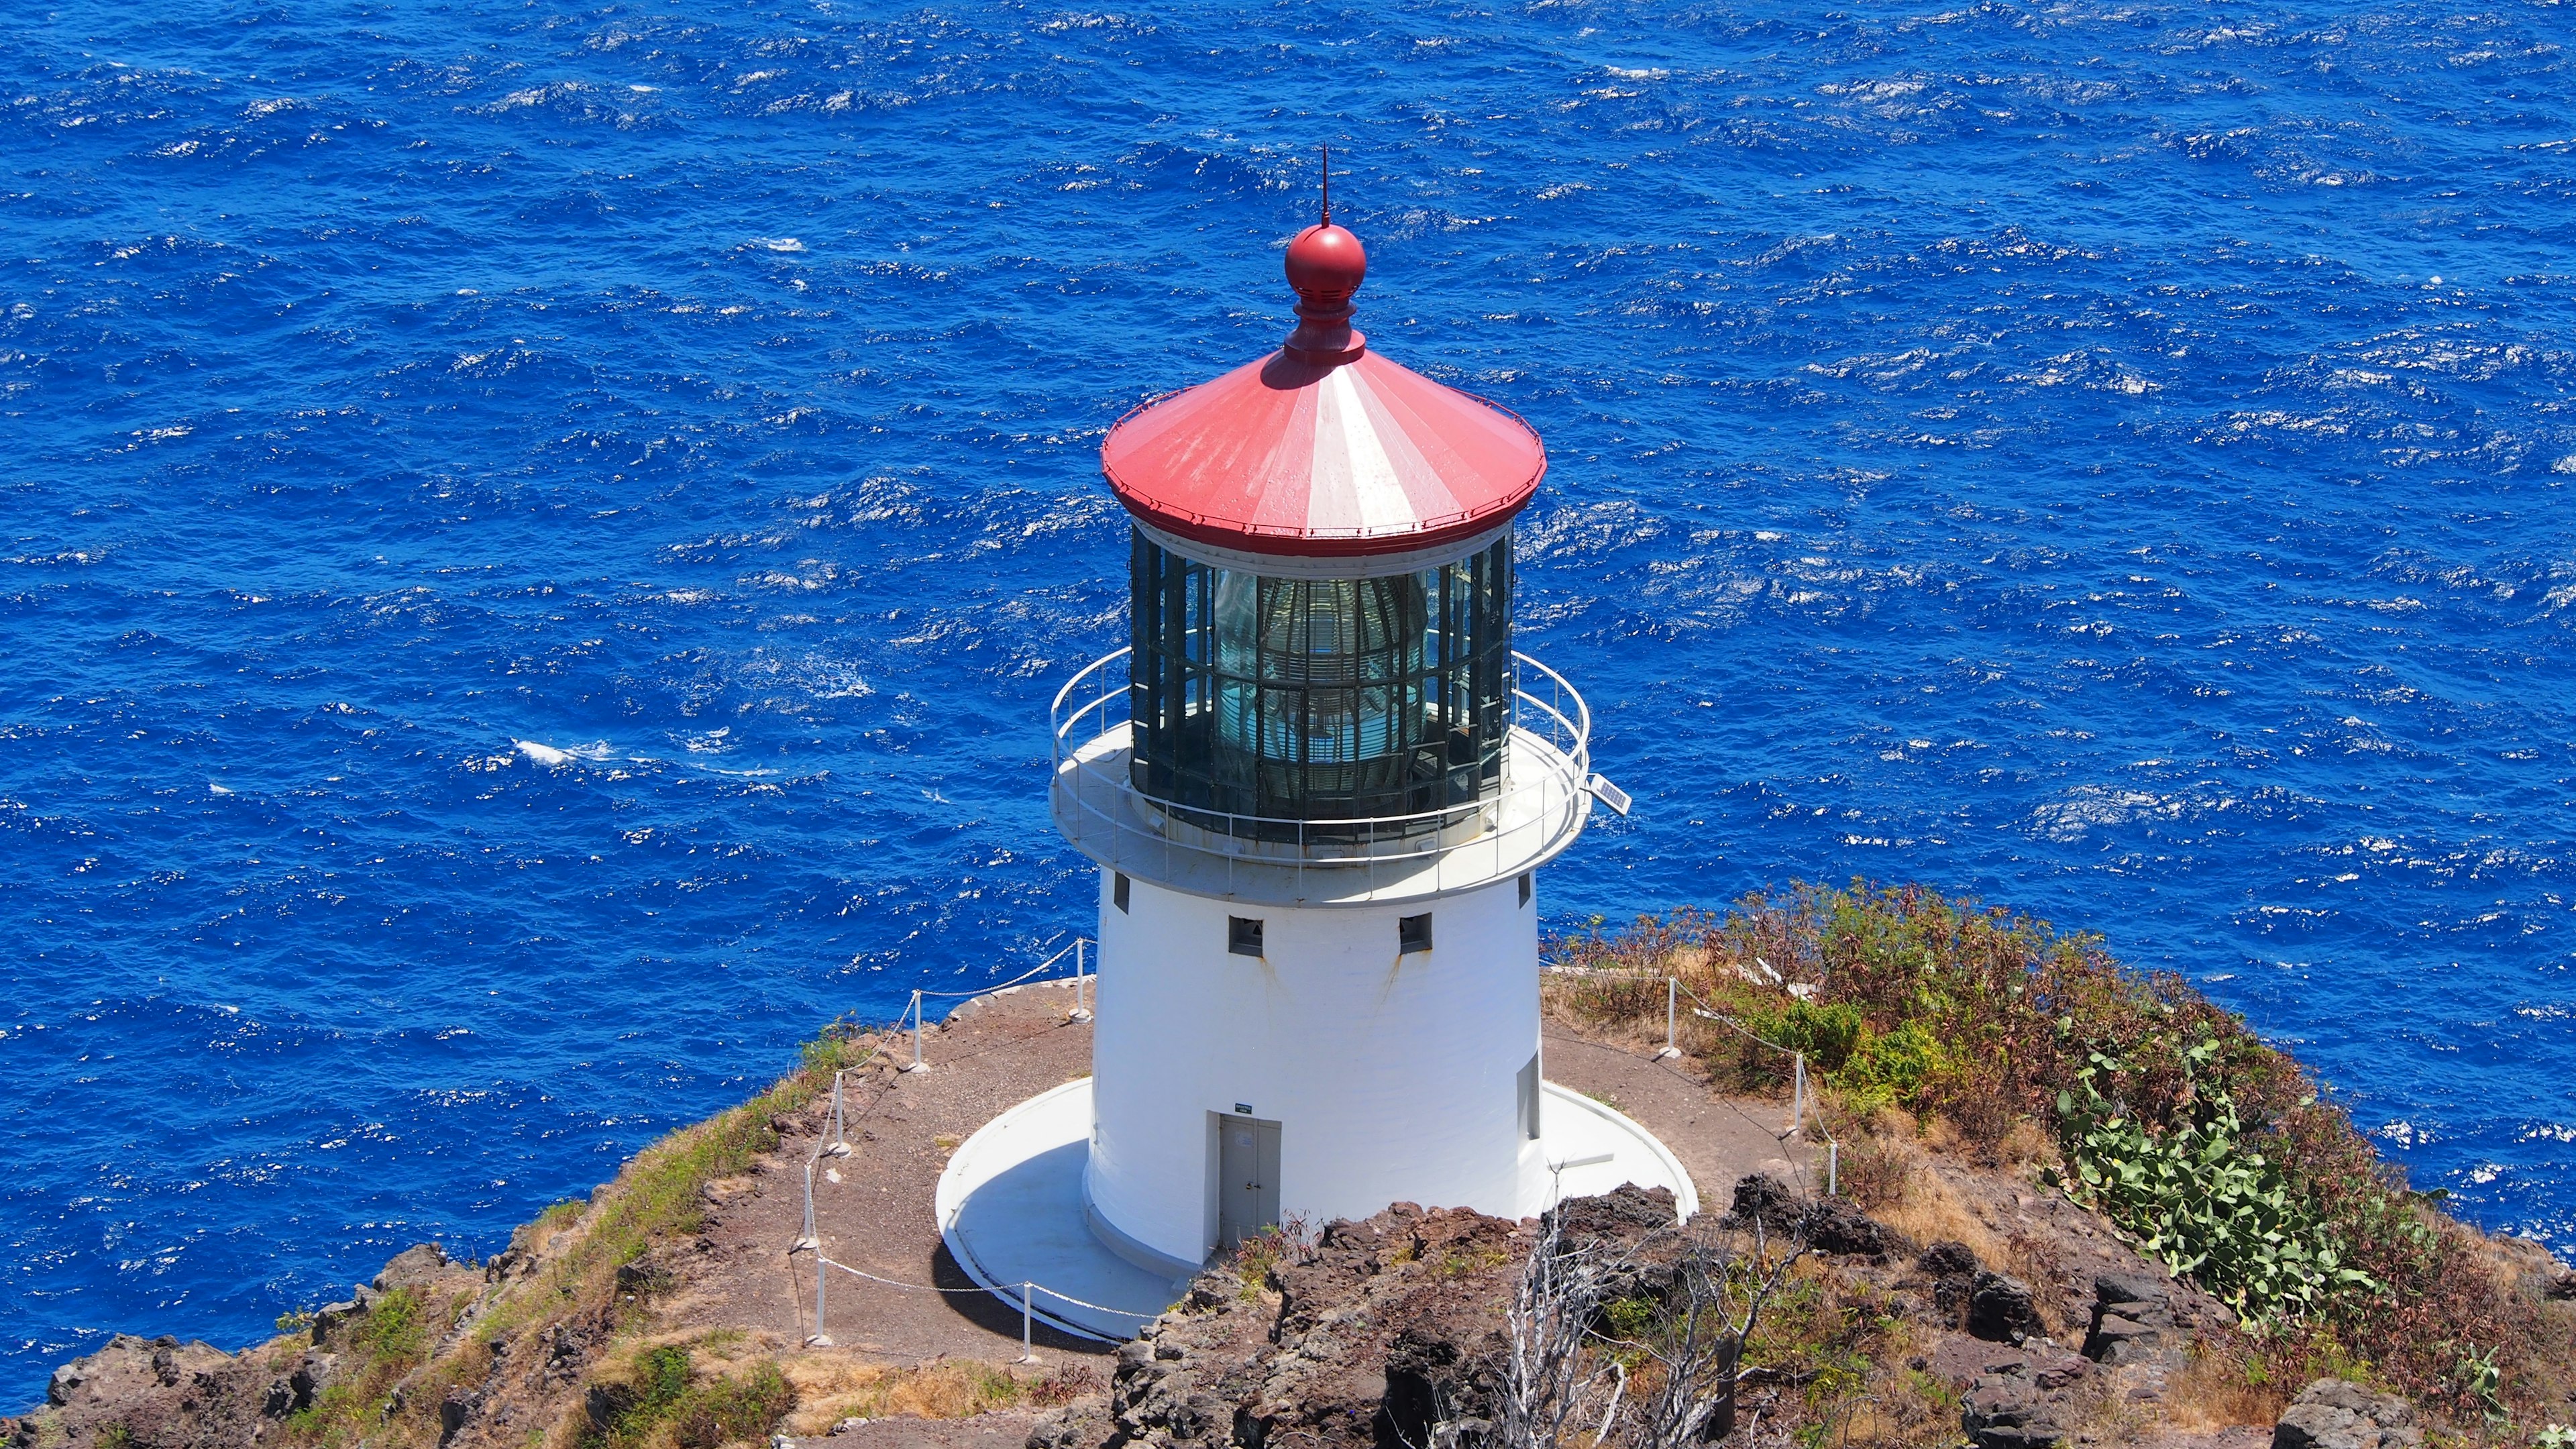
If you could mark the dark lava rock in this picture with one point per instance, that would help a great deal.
(1832, 1225)
(172, 1395)
(1389, 1332)
(1764, 1199)
(413, 1267)
(2128, 1288)
(606, 1404)
(2132, 1319)
(2000, 1309)
(457, 1410)
(1836, 1226)
(2335, 1414)
(2023, 1399)
(1625, 1215)
(1953, 1269)
(330, 1318)
(293, 1393)
(2008, 1411)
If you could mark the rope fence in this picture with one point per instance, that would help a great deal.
(1674, 990)
(1081, 1004)
(1028, 1312)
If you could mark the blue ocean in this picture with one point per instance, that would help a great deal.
(536, 540)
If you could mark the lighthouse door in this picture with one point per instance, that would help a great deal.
(1247, 1182)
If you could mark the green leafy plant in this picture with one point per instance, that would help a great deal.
(1828, 1033)
(2481, 1381)
(2556, 1436)
(2203, 1199)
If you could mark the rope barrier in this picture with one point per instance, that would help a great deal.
(1081, 1009)
(1095, 1307)
(979, 1288)
(1028, 1306)
(810, 1240)
(1076, 944)
(1701, 1009)
(907, 1287)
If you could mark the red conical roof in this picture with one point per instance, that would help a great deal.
(1323, 449)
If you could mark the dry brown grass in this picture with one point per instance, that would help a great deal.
(2027, 1146)
(834, 1386)
(2222, 1385)
(1931, 1210)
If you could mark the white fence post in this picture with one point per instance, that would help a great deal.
(1833, 1168)
(820, 1338)
(1028, 1349)
(917, 1064)
(839, 1146)
(1798, 1097)
(1081, 1001)
(808, 1242)
(1672, 1015)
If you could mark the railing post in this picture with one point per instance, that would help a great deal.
(917, 1064)
(1833, 1168)
(808, 1242)
(1672, 1013)
(820, 1339)
(1798, 1097)
(1028, 1346)
(838, 1147)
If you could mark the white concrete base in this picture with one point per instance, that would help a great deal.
(1010, 1204)
(1592, 1148)
(1010, 1209)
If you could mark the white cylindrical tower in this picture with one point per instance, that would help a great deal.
(1318, 785)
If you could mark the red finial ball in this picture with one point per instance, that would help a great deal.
(1326, 263)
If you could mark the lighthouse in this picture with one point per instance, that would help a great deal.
(1319, 785)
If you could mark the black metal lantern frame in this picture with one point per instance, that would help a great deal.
(1368, 707)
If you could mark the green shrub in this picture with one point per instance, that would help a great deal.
(728, 1409)
(392, 1329)
(664, 1389)
(1893, 1067)
(1828, 1033)
(2202, 1199)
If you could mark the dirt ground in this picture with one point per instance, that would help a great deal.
(873, 1208)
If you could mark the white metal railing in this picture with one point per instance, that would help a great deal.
(1799, 1098)
(1537, 788)
(1081, 1007)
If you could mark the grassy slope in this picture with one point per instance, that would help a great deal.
(402, 1357)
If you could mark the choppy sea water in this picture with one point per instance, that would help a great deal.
(535, 542)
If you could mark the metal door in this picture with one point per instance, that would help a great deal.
(1247, 1184)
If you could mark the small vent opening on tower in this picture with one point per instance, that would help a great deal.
(1526, 887)
(1118, 891)
(1413, 933)
(1243, 935)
